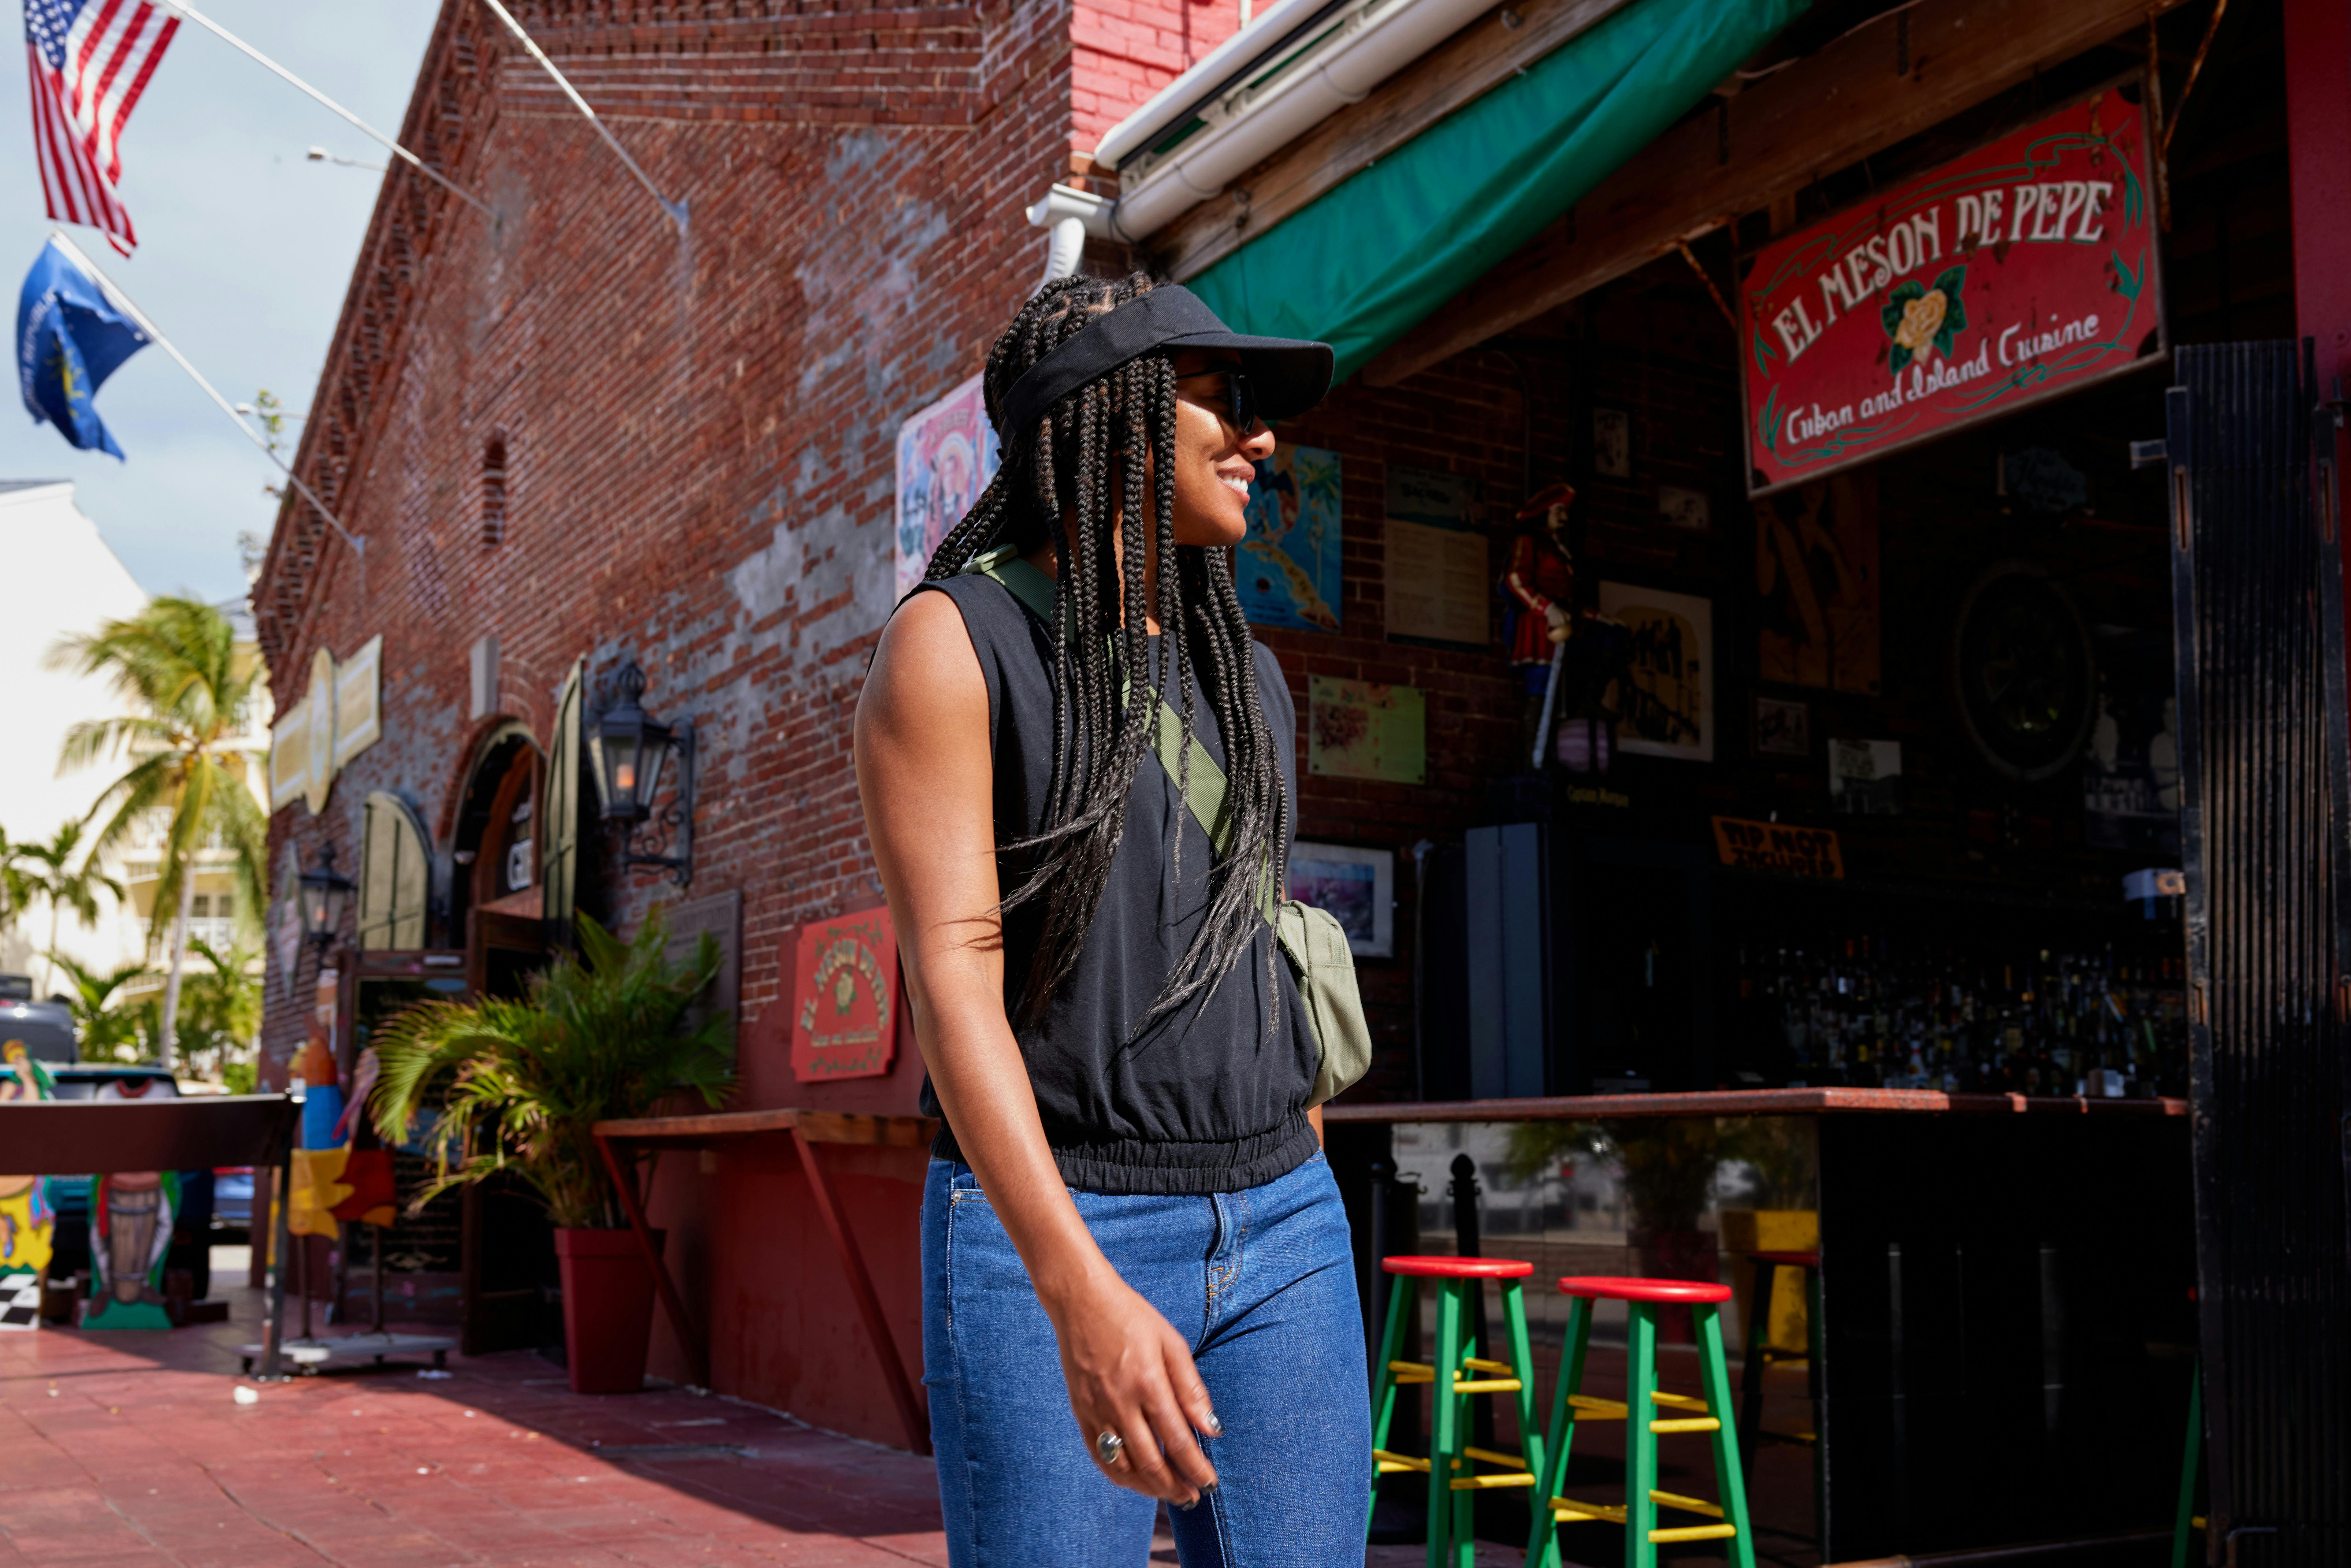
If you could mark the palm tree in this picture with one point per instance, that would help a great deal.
(519, 1085)
(101, 1026)
(192, 691)
(45, 872)
(15, 891)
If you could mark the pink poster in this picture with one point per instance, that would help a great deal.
(947, 455)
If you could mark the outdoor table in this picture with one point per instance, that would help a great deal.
(179, 1133)
(806, 1129)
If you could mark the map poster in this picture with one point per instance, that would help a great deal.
(1359, 731)
(1665, 699)
(2017, 272)
(845, 998)
(1438, 587)
(1287, 571)
(947, 455)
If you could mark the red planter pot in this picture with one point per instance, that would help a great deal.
(608, 1308)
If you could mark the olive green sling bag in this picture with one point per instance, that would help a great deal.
(1311, 939)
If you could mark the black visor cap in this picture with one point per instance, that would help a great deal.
(1289, 375)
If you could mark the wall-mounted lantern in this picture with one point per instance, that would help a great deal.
(630, 751)
(325, 891)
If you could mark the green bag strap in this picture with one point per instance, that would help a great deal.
(1207, 793)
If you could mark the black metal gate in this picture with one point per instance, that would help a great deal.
(2257, 597)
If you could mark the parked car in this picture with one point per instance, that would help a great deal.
(233, 1198)
(46, 1028)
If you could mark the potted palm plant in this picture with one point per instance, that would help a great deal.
(517, 1084)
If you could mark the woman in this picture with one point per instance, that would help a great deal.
(1129, 1178)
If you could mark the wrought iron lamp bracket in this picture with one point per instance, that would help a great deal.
(672, 828)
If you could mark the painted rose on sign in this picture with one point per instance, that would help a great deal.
(1923, 321)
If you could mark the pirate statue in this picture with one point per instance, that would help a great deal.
(1568, 661)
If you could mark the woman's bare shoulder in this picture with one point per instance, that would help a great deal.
(925, 665)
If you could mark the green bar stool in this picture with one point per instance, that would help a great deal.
(1454, 1478)
(1710, 1414)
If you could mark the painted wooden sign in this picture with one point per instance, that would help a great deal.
(845, 998)
(2020, 271)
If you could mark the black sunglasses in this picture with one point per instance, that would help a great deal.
(1238, 407)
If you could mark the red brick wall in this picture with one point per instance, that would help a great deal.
(698, 438)
(1122, 51)
(697, 434)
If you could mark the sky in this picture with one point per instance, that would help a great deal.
(244, 250)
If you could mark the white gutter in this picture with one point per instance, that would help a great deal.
(1280, 26)
(1349, 50)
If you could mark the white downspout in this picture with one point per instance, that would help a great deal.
(1068, 216)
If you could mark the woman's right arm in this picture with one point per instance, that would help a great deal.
(924, 773)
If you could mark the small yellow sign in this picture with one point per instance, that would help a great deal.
(1777, 846)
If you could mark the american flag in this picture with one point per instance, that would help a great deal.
(91, 60)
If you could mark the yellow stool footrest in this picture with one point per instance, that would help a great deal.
(1688, 1424)
(1693, 1532)
(1592, 1409)
(1491, 1456)
(1486, 1483)
(1687, 1504)
(1406, 1373)
(1679, 1402)
(1568, 1511)
(1389, 1464)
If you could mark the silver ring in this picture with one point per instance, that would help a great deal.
(1108, 1446)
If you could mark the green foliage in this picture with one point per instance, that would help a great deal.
(107, 1030)
(48, 872)
(220, 1006)
(519, 1083)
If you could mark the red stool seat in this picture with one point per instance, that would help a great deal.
(1789, 1259)
(1458, 1268)
(1602, 1289)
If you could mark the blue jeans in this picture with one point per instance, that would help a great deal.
(1259, 1282)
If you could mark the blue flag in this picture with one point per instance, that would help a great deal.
(69, 338)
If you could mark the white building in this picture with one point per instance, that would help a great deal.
(68, 581)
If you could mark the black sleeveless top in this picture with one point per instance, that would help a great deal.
(1204, 1100)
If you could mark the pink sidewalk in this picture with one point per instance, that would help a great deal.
(130, 1450)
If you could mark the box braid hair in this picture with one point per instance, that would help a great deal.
(1076, 479)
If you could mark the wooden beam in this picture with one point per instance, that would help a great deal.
(1456, 72)
(1786, 130)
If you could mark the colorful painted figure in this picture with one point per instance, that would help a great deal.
(130, 1215)
(26, 1221)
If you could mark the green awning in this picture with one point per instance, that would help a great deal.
(1362, 265)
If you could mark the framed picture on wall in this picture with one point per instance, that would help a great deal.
(1612, 444)
(1666, 698)
(1356, 885)
(1783, 728)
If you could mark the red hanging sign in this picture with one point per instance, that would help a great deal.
(845, 998)
(2019, 272)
